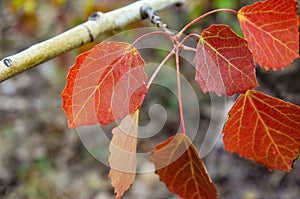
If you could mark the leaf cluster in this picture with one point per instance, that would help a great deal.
(107, 83)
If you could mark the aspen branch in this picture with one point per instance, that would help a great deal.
(97, 24)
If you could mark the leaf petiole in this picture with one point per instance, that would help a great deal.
(179, 92)
(201, 17)
(184, 47)
(172, 39)
(159, 67)
(188, 36)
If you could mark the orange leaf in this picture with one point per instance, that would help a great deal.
(105, 84)
(179, 166)
(223, 62)
(264, 129)
(123, 154)
(271, 29)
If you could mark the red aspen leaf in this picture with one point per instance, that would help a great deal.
(179, 166)
(123, 154)
(223, 62)
(264, 129)
(271, 29)
(105, 84)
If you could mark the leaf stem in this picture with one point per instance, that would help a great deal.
(188, 36)
(201, 17)
(179, 90)
(159, 67)
(153, 33)
(184, 47)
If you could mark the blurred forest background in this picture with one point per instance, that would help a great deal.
(40, 158)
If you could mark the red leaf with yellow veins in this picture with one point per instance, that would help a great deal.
(271, 29)
(123, 154)
(179, 166)
(105, 84)
(264, 129)
(223, 62)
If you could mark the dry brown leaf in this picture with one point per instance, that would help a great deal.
(123, 154)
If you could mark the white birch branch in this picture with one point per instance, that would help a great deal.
(77, 36)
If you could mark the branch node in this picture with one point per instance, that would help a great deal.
(95, 16)
(148, 12)
(90, 34)
(8, 62)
